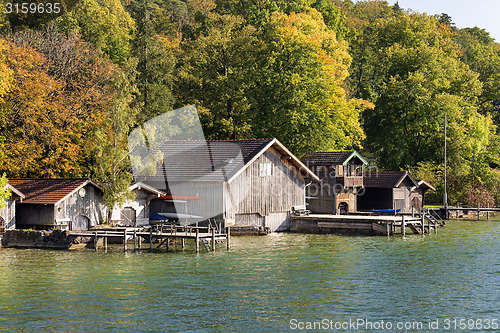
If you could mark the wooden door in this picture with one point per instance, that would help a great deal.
(128, 217)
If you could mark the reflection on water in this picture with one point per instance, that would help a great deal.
(259, 286)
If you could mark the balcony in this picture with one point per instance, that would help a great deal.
(353, 181)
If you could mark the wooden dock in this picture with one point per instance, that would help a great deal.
(363, 224)
(159, 237)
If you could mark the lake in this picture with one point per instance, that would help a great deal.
(277, 283)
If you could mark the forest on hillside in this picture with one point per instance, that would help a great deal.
(316, 74)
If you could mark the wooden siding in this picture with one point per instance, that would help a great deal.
(79, 213)
(140, 205)
(250, 193)
(8, 214)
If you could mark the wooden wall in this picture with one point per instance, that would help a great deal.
(140, 205)
(8, 213)
(264, 198)
(81, 213)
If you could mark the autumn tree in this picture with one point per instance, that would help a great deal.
(300, 97)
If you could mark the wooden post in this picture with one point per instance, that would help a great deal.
(403, 225)
(135, 240)
(213, 239)
(458, 206)
(183, 243)
(197, 240)
(150, 239)
(488, 211)
(105, 241)
(478, 211)
(422, 221)
(228, 238)
(139, 239)
(388, 229)
(95, 240)
(125, 240)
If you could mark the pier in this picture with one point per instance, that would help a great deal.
(365, 224)
(159, 236)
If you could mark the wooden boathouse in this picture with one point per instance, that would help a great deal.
(245, 184)
(67, 204)
(8, 213)
(340, 176)
(392, 190)
(135, 213)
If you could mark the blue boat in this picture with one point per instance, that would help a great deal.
(386, 211)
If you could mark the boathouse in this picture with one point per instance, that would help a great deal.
(240, 183)
(393, 190)
(341, 178)
(8, 213)
(68, 204)
(135, 213)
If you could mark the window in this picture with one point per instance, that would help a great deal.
(265, 169)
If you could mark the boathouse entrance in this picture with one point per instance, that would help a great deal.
(343, 208)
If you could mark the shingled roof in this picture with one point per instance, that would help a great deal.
(331, 157)
(387, 179)
(214, 161)
(48, 191)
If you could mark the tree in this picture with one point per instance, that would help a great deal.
(4, 191)
(155, 53)
(217, 74)
(112, 168)
(300, 99)
(103, 23)
(482, 55)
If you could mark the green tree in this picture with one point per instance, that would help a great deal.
(217, 73)
(103, 23)
(482, 55)
(4, 191)
(300, 99)
(112, 168)
(155, 52)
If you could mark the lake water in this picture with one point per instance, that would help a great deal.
(275, 283)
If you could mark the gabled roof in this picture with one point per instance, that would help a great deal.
(15, 191)
(424, 184)
(140, 186)
(215, 161)
(331, 157)
(387, 179)
(49, 191)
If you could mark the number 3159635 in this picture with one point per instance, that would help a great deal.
(33, 8)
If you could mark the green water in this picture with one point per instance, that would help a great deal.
(276, 283)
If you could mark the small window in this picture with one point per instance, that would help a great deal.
(265, 169)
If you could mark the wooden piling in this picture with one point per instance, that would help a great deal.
(403, 225)
(125, 240)
(105, 241)
(213, 239)
(422, 221)
(388, 229)
(458, 206)
(95, 240)
(478, 211)
(228, 238)
(150, 239)
(488, 211)
(183, 243)
(135, 240)
(197, 240)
